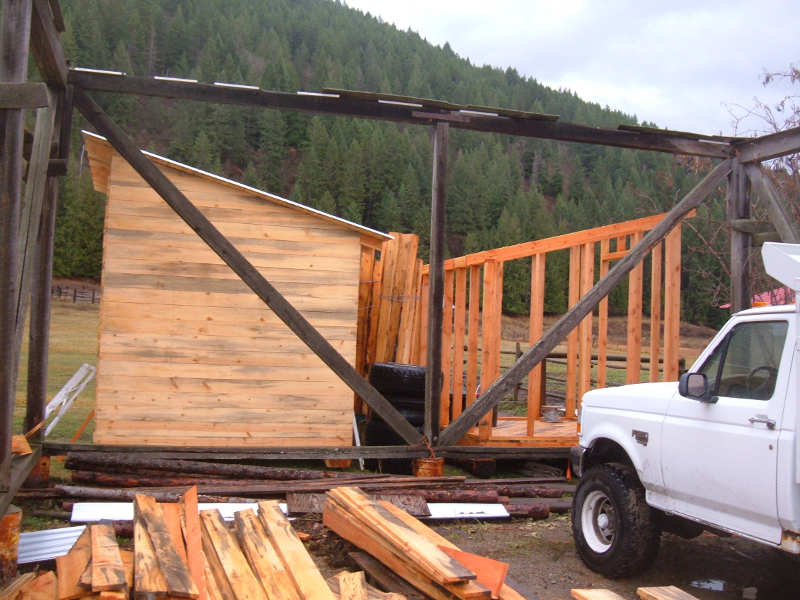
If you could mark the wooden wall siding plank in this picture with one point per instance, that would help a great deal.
(416, 327)
(422, 351)
(362, 322)
(404, 273)
(602, 320)
(475, 285)
(459, 328)
(672, 303)
(633, 362)
(375, 301)
(192, 533)
(535, 329)
(490, 334)
(409, 308)
(447, 349)
(655, 309)
(574, 294)
(389, 260)
(275, 386)
(585, 328)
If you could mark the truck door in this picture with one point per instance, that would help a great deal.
(720, 458)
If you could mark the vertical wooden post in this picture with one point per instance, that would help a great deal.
(738, 207)
(672, 303)
(375, 306)
(447, 345)
(490, 334)
(459, 323)
(424, 292)
(40, 313)
(535, 329)
(420, 300)
(655, 310)
(633, 363)
(472, 332)
(572, 338)
(384, 351)
(585, 328)
(14, 48)
(602, 320)
(409, 303)
(433, 381)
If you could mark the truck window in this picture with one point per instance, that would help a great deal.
(745, 364)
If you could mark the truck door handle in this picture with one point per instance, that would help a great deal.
(763, 419)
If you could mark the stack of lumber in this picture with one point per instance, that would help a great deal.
(669, 592)
(409, 548)
(180, 553)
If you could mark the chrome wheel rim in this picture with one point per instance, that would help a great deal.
(598, 521)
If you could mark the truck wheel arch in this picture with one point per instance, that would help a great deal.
(605, 450)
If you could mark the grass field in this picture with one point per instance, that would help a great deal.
(73, 341)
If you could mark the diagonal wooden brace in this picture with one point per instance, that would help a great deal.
(776, 207)
(242, 267)
(502, 386)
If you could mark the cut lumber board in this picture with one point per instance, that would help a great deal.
(176, 572)
(352, 586)
(489, 572)
(263, 558)
(669, 592)
(213, 590)
(70, 567)
(194, 543)
(295, 557)
(234, 567)
(373, 593)
(11, 591)
(20, 445)
(108, 572)
(85, 580)
(43, 587)
(594, 594)
(387, 579)
(440, 567)
(172, 519)
(148, 578)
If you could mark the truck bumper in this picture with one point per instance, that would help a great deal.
(576, 460)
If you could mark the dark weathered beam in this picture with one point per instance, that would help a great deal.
(738, 208)
(769, 146)
(283, 453)
(21, 467)
(23, 95)
(64, 121)
(39, 334)
(372, 109)
(502, 386)
(242, 267)
(776, 207)
(433, 380)
(46, 45)
(14, 43)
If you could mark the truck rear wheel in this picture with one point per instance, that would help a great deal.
(614, 529)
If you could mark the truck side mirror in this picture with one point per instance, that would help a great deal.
(695, 386)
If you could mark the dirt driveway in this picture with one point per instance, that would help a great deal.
(544, 565)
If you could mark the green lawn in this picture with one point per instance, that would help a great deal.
(73, 341)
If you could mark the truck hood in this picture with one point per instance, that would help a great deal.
(642, 397)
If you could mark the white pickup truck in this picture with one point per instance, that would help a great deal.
(717, 450)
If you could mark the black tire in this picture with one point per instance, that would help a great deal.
(615, 531)
(396, 379)
(409, 404)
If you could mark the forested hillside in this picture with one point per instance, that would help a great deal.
(502, 189)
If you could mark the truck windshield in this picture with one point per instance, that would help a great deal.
(745, 364)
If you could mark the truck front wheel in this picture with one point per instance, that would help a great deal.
(614, 529)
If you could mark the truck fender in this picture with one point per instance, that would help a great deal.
(610, 444)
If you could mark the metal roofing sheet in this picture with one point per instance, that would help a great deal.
(38, 546)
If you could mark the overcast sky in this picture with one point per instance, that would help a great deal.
(681, 64)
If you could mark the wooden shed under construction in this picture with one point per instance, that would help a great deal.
(188, 355)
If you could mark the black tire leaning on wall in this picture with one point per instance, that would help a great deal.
(396, 379)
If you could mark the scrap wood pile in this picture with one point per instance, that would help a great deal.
(422, 557)
(109, 476)
(180, 553)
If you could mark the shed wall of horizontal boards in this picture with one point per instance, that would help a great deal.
(190, 355)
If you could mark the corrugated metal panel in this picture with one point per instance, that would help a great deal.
(37, 546)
